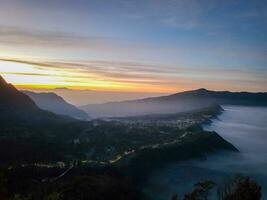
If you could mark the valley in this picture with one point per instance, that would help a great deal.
(62, 148)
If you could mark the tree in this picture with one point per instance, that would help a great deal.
(246, 189)
(201, 191)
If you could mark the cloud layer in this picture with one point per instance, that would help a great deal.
(131, 76)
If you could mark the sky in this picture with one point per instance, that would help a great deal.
(134, 48)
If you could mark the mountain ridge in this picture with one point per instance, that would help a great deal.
(54, 103)
(10, 97)
(196, 91)
(178, 102)
(17, 107)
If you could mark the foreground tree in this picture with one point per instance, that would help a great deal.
(246, 189)
(240, 188)
(201, 191)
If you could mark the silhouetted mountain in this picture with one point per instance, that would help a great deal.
(220, 97)
(56, 104)
(18, 107)
(12, 99)
(29, 134)
(179, 102)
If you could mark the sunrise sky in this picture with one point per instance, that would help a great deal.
(134, 46)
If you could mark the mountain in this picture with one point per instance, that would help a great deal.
(179, 102)
(221, 97)
(30, 134)
(16, 107)
(12, 99)
(56, 104)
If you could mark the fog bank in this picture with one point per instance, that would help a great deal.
(245, 128)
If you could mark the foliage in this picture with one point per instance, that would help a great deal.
(243, 189)
(246, 189)
(201, 191)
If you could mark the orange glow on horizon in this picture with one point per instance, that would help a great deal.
(47, 75)
(27, 76)
(104, 89)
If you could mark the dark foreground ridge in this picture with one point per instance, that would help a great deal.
(17, 107)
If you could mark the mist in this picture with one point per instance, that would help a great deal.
(246, 129)
(126, 109)
(84, 97)
(148, 106)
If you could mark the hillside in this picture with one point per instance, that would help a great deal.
(179, 102)
(28, 133)
(12, 99)
(56, 104)
(18, 108)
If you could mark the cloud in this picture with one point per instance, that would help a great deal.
(124, 72)
(140, 76)
(36, 37)
(178, 23)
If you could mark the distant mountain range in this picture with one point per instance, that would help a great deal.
(16, 107)
(56, 104)
(27, 104)
(179, 102)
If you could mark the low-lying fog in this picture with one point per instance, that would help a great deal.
(245, 128)
(143, 107)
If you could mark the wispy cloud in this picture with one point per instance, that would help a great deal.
(176, 22)
(31, 37)
(135, 76)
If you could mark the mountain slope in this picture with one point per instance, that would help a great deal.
(12, 99)
(29, 134)
(220, 97)
(179, 102)
(56, 104)
(16, 107)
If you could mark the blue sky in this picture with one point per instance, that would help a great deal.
(200, 43)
